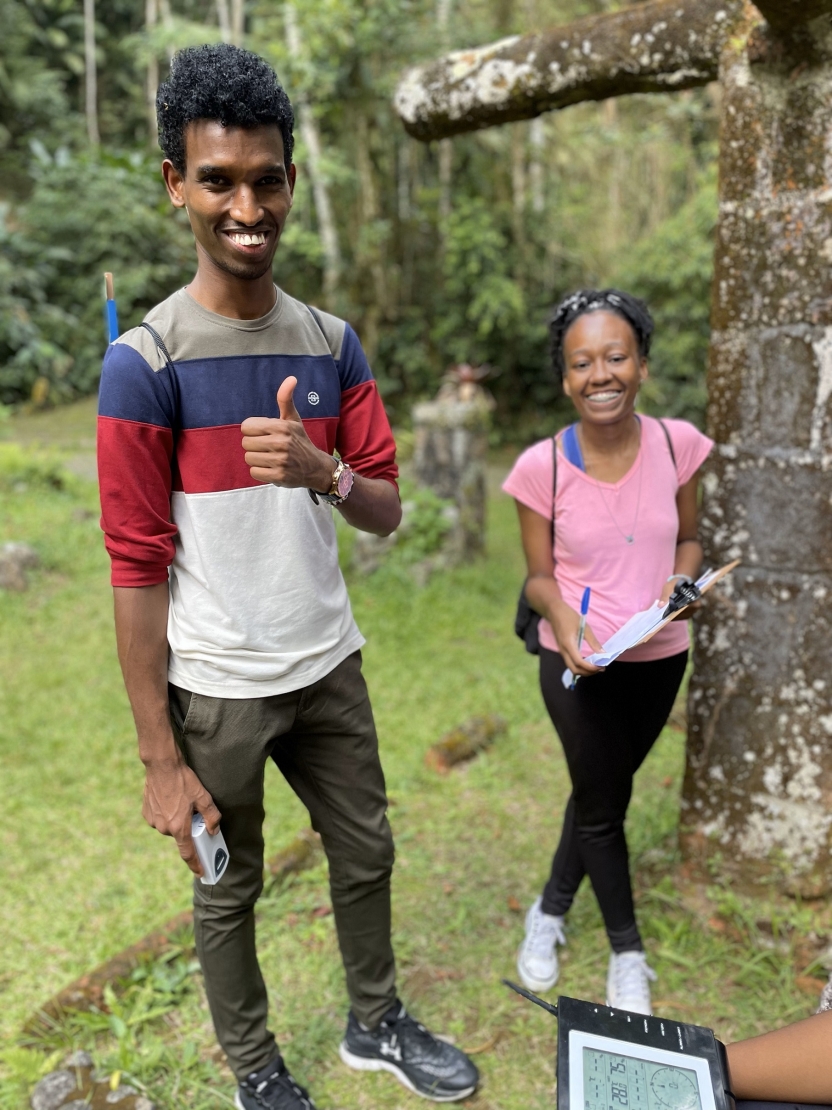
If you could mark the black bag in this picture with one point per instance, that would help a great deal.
(526, 619)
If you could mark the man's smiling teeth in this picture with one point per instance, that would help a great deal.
(601, 398)
(246, 240)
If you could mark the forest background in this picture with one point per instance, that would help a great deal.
(438, 253)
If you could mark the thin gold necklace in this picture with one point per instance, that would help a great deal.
(629, 537)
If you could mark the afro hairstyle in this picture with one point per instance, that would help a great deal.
(224, 83)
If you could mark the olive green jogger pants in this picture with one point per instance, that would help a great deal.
(323, 739)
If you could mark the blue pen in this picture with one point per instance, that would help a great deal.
(582, 625)
(110, 313)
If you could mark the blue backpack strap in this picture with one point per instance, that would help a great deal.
(571, 446)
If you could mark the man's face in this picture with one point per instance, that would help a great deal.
(237, 192)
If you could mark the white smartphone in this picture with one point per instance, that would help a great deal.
(212, 851)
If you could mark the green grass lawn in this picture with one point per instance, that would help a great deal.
(83, 876)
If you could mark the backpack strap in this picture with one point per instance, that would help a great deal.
(314, 314)
(160, 344)
(174, 381)
(554, 487)
(669, 443)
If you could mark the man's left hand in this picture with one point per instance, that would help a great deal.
(280, 451)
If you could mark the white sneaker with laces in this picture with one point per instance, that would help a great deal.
(537, 958)
(628, 982)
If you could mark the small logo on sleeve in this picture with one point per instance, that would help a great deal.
(313, 398)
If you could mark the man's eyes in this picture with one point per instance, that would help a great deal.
(269, 182)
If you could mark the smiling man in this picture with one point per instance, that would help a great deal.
(230, 422)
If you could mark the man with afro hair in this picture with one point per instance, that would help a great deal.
(230, 423)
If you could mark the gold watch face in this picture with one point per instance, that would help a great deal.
(343, 483)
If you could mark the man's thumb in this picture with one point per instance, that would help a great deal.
(285, 403)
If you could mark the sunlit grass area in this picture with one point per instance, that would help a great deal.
(83, 876)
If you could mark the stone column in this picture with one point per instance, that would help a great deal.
(451, 446)
(757, 795)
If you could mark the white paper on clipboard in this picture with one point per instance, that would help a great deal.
(641, 626)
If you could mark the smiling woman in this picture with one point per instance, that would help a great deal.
(607, 512)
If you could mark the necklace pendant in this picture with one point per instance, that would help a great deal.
(629, 539)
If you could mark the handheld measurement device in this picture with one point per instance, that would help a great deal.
(613, 1060)
(212, 851)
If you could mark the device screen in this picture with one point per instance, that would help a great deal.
(615, 1082)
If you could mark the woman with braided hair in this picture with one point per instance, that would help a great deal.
(610, 503)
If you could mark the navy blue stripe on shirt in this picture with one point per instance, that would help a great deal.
(215, 392)
(223, 391)
(130, 390)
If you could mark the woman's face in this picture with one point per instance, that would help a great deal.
(603, 367)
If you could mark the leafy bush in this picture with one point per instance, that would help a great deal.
(21, 469)
(427, 519)
(51, 287)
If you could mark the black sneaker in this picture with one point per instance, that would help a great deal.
(272, 1088)
(429, 1067)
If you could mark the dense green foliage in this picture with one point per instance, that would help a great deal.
(438, 265)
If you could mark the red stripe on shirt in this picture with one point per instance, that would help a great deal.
(364, 439)
(211, 460)
(134, 471)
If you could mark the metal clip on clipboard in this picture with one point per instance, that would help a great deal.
(685, 593)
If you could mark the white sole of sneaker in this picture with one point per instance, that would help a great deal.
(361, 1063)
(237, 1102)
(539, 986)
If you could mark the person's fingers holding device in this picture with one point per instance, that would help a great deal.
(211, 849)
(279, 451)
(172, 794)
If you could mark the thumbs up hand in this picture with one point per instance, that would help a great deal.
(279, 450)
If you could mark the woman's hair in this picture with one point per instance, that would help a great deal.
(625, 305)
(224, 83)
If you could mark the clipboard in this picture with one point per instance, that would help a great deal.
(642, 626)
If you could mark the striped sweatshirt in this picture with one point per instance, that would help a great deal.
(258, 605)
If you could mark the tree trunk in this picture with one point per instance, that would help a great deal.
(758, 783)
(369, 254)
(90, 73)
(537, 142)
(238, 19)
(224, 20)
(308, 128)
(659, 46)
(150, 19)
(446, 147)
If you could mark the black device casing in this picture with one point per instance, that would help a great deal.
(636, 1029)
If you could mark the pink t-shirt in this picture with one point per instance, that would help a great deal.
(592, 519)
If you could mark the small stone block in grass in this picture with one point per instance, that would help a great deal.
(75, 1086)
(464, 742)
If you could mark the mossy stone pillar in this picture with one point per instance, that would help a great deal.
(450, 451)
(757, 796)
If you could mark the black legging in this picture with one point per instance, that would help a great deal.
(607, 725)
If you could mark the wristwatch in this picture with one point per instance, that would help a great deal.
(343, 478)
